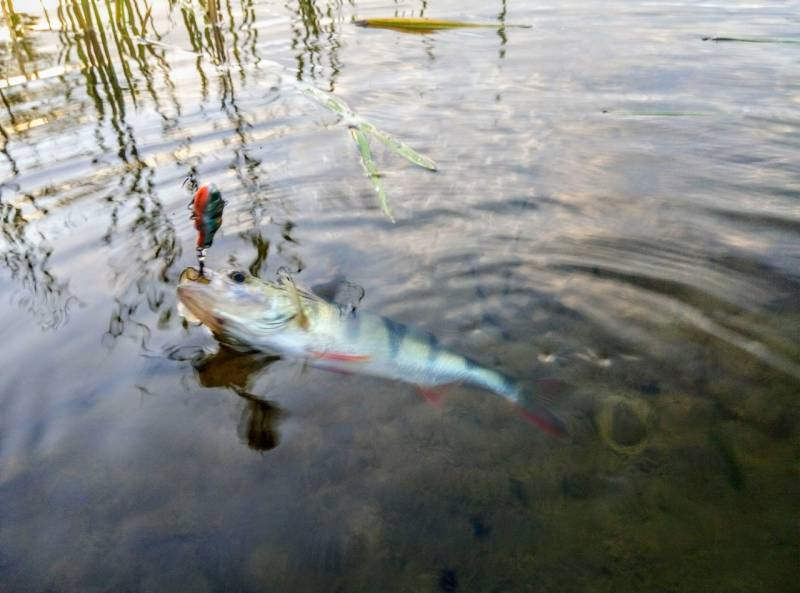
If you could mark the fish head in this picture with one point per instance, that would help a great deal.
(237, 307)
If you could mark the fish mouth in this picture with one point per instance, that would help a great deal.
(191, 274)
(195, 300)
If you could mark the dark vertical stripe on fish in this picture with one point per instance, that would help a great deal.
(433, 348)
(511, 385)
(397, 333)
(470, 364)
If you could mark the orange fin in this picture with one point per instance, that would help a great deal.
(543, 419)
(340, 357)
(434, 395)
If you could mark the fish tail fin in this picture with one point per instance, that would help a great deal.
(533, 408)
(529, 405)
(542, 418)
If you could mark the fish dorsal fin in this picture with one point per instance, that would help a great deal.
(297, 296)
(300, 299)
(300, 314)
(306, 295)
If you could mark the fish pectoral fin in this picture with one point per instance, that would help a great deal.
(300, 314)
(339, 356)
(434, 395)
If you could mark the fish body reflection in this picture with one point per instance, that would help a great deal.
(258, 425)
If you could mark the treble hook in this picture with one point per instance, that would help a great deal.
(192, 181)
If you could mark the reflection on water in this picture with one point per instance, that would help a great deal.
(258, 426)
(582, 228)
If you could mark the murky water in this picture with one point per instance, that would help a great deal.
(617, 207)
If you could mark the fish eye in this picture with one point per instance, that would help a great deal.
(237, 276)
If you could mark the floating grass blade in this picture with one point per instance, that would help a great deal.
(372, 171)
(338, 106)
(399, 147)
(658, 113)
(327, 100)
(753, 39)
(422, 25)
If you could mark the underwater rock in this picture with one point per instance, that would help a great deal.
(626, 428)
(623, 424)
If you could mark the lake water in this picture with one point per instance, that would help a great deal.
(617, 208)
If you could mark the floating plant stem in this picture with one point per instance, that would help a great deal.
(372, 171)
(753, 39)
(399, 147)
(423, 25)
(327, 100)
(352, 120)
(658, 113)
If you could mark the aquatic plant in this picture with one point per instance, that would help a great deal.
(369, 167)
(425, 25)
(360, 128)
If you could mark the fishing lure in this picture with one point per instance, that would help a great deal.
(207, 205)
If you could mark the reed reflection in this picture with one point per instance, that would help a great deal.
(19, 26)
(312, 28)
(117, 71)
(501, 30)
(27, 258)
(26, 252)
(113, 68)
(12, 163)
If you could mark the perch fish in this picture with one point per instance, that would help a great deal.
(251, 314)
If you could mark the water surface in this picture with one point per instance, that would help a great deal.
(617, 207)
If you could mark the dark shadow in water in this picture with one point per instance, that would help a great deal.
(340, 291)
(258, 425)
